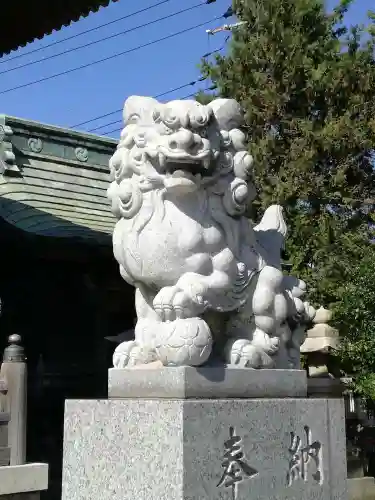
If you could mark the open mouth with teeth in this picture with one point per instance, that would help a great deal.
(192, 167)
(184, 169)
(187, 169)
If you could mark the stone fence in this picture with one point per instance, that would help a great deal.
(18, 480)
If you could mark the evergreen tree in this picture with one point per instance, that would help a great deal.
(355, 318)
(204, 98)
(309, 98)
(307, 85)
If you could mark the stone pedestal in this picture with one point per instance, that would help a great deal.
(23, 482)
(168, 444)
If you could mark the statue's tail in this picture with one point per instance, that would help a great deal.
(271, 233)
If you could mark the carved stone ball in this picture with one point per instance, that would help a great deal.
(184, 342)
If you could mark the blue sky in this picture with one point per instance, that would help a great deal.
(102, 88)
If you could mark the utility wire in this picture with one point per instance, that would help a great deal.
(111, 131)
(83, 66)
(155, 97)
(115, 35)
(85, 32)
(159, 95)
(193, 94)
(96, 118)
(201, 79)
(118, 129)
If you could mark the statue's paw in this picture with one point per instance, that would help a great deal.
(172, 303)
(241, 353)
(130, 354)
(121, 356)
(263, 341)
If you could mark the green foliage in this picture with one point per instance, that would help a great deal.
(307, 85)
(355, 319)
(204, 98)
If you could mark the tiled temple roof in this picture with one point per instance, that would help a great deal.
(53, 181)
(24, 21)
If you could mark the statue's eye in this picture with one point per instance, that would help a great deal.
(164, 130)
(170, 118)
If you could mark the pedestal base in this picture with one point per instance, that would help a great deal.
(185, 382)
(170, 449)
(23, 482)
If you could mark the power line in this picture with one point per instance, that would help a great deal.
(96, 118)
(201, 79)
(89, 44)
(118, 129)
(160, 95)
(193, 94)
(83, 66)
(86, 31)
(155, 97)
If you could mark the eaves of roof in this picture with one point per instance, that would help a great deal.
(53, 181)
(24, 21)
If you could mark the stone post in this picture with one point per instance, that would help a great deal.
(14, 371)
(210, 433)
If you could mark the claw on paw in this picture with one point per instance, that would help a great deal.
(130, 354)
(242, 353)
(172, 303)
(268, 344)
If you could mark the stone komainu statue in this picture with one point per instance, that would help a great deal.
(209, 285)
